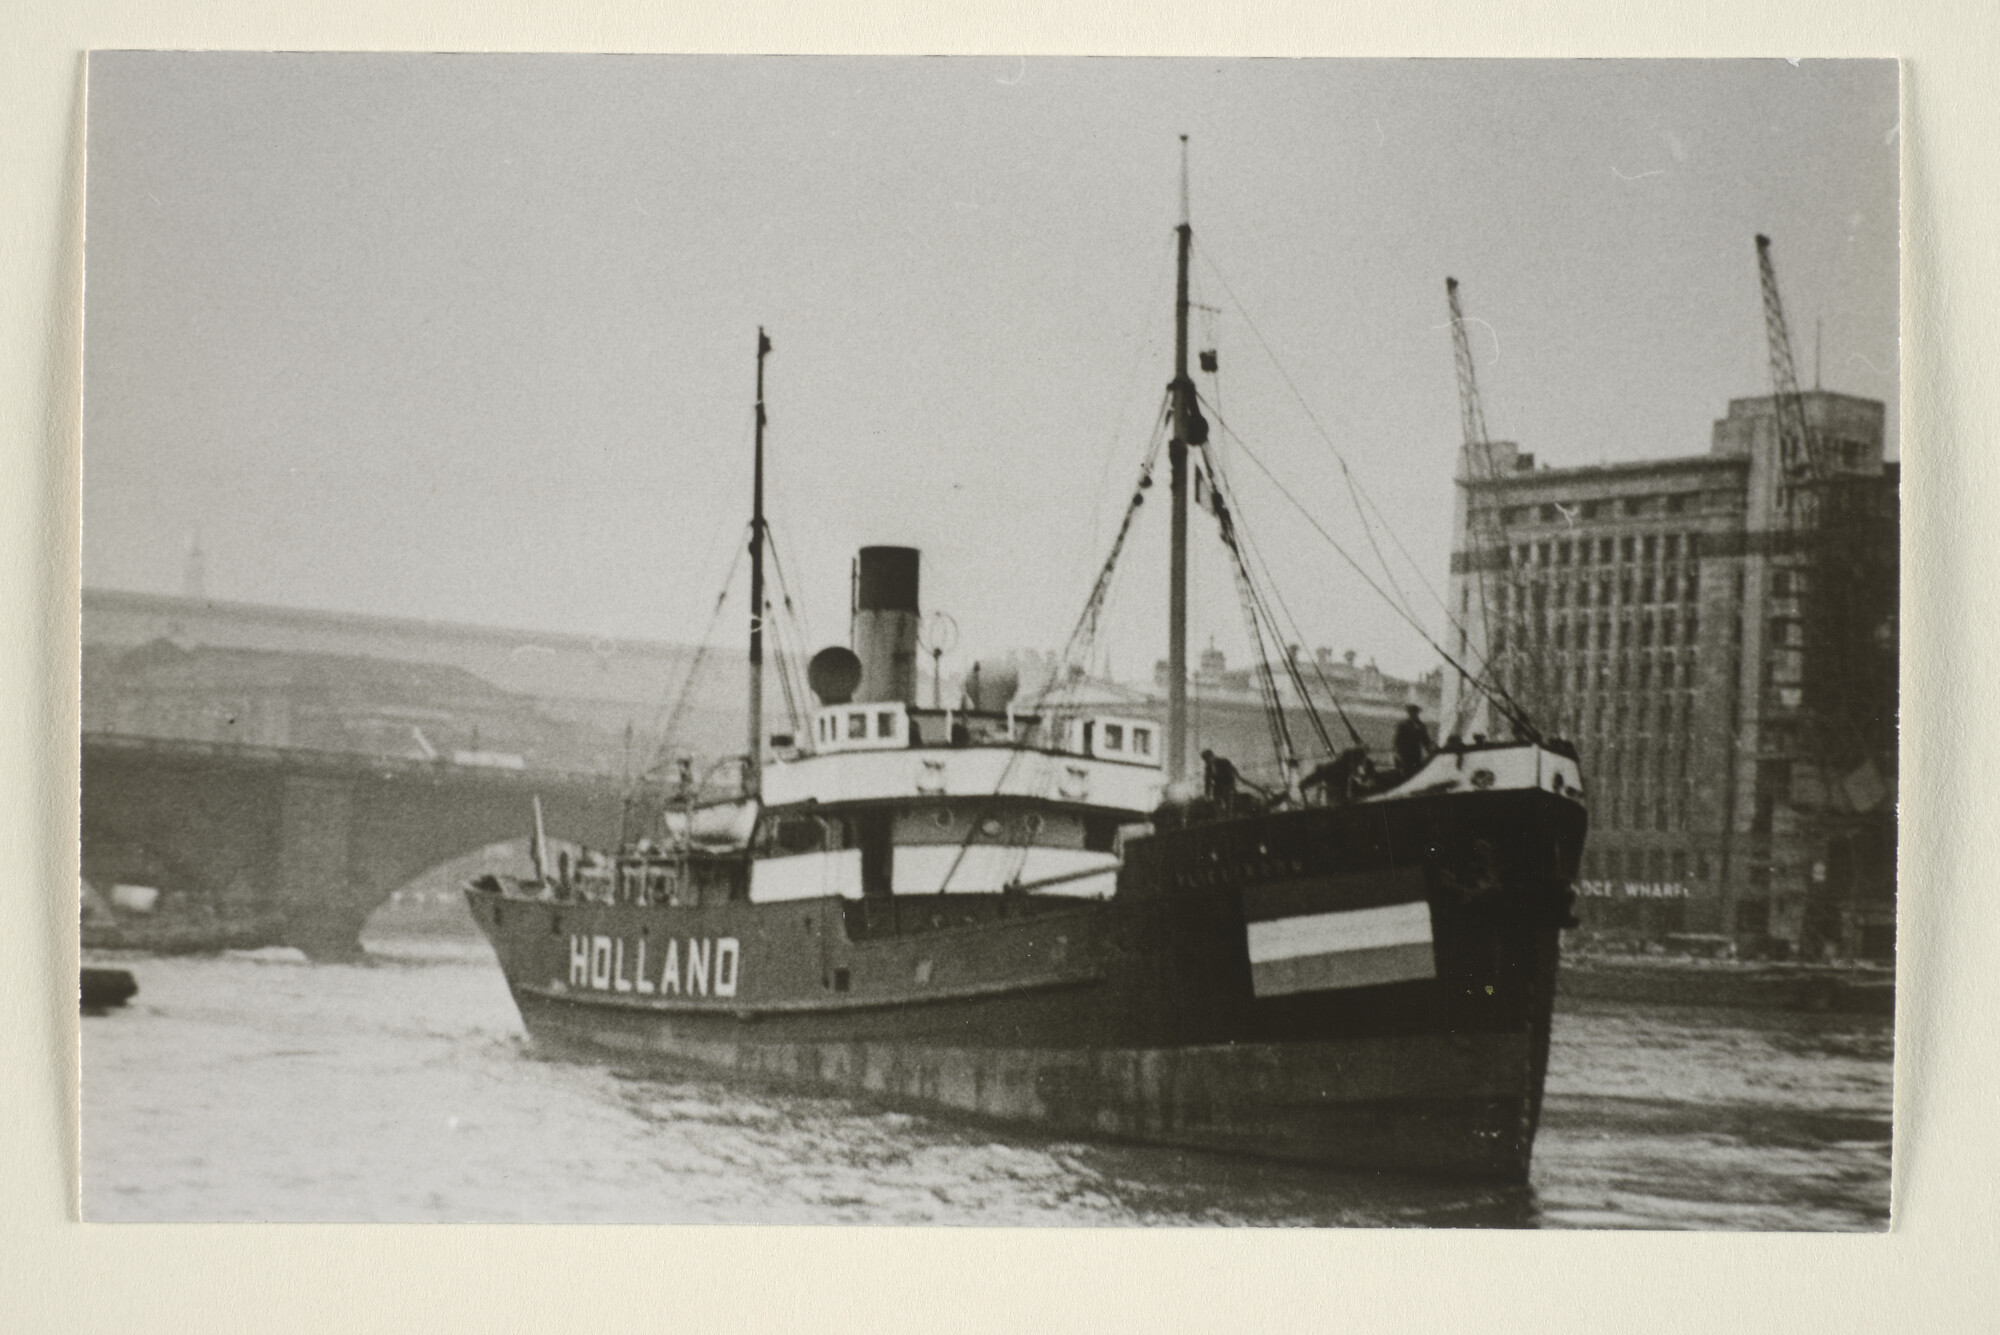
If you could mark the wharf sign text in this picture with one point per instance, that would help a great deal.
(708, 966)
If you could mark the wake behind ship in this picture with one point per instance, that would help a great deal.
(1024, 912)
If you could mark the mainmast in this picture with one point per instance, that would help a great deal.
(753, 762)
(1190, 429)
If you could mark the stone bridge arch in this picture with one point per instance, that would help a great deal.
(297, 848)
(397, 829)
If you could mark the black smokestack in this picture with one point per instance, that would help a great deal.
(885, 623)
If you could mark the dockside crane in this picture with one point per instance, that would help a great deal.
(1471, 412)
(1798, 448)
(1832, 748)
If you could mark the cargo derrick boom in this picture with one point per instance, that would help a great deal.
(1502, 660)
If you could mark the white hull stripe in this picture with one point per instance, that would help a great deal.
(1358, 948)
(1327, 933)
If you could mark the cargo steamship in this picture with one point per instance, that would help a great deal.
(1021, 911)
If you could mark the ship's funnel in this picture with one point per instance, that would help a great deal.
(833, 674)
(885, 623)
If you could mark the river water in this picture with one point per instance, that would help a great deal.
(260, 1087)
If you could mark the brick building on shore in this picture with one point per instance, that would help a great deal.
(1726, 670)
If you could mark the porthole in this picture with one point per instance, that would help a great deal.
(942, 817)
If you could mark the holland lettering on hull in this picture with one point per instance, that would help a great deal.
(714, 966)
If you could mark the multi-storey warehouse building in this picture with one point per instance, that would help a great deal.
(1722, 654)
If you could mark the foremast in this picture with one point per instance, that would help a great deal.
(753, 759)
(1190, 430)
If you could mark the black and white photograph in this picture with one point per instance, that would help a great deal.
(990, 640)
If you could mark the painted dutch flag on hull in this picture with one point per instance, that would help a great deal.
(1354, 947)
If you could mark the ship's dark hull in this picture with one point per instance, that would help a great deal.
(1142, 1017)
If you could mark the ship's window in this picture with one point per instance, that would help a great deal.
(1114, 737)
(840, 980)
(941, 817)
(857, 727)
(1142, 741)
(885, 723)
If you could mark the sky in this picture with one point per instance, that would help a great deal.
(473, 337)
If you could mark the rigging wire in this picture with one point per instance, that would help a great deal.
(1270, 583)
(1075, 649)
(1218, 476)
(1494, 691)
(1364, 503)
(666, 732)
(717, 535)
(1146, 347)
(1347, 475)
(1267, 686)
(789, 634)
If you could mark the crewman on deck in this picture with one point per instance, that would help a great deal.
(1413, 742)
(1218, 778)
